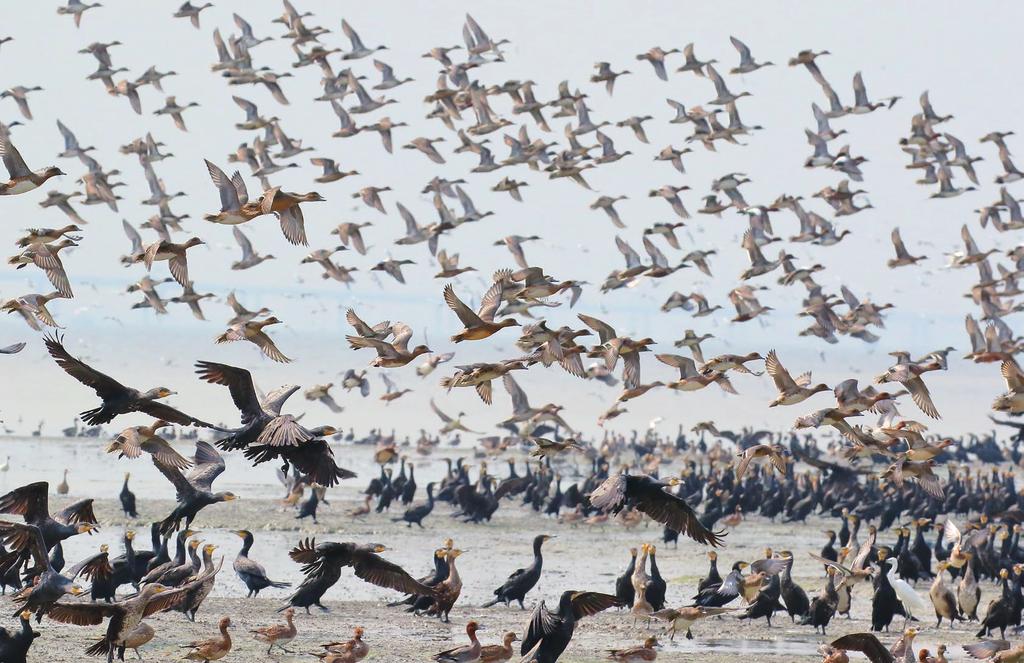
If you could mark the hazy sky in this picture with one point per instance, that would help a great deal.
(959, 53)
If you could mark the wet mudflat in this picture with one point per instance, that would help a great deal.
(581, 557)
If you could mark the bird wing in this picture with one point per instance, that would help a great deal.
(741, 468)
(922, 398)
(673, 511)
(266, 344)
(70, 142)
(411, 227)
(542, 622)
(376, 570)
(178, 265)
(465, 314)
(986, 648)
(314, 461)
(357, 44)
(687, 368)
(742, 48)
(104, 385)
(177, 479)
(92, 568)
(489, 302)
(293, 225)
(239, 384)
(631, 370)
(585, 604)
(307, 551)
(783, 381)
(12, 159)
(1011, 374)
(23, 537)
(632, 257)
(284, 431)
(835, 565)
(658, 258)
(610, 494)
(383, 349)
(160, 449)
(173, 415)
(969, 244)
(170, 598)
(133, 236)
(605, 331)
(229, 199)
(402, 333)
(846, 391)
(867, 644)
(209, 465)
(83, 614)
(860, 561)
(357, 323)
(520, 402)
(770, 567)
(731, 585)
(897, 242)
(484, 390)
(243, 242)
(29, 501)
(77, 512)
(444, 417)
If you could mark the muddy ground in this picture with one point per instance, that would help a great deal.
(579, 558)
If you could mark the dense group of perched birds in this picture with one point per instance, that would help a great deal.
(882, 474)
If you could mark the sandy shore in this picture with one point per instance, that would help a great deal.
(580, 558)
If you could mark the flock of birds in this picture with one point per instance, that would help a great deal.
(758, 476)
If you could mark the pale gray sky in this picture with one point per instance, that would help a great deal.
(959, 53)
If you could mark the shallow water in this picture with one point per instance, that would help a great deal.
(93, 472)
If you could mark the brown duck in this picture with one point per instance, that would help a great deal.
(478, 324)
(23, 179)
